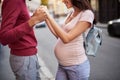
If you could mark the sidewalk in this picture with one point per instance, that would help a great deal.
(104, 25)
(6, 72)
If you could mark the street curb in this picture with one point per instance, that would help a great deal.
(44, 71)
(101, 25)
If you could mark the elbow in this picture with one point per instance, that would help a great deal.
(67, 40)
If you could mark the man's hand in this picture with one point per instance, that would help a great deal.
(38, 16)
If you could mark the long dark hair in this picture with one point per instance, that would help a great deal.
(83, 5)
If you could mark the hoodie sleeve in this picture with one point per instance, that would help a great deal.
(9, 32)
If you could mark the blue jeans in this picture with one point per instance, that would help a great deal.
(76, 72)
(25, 67)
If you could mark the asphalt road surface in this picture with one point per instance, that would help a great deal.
(105, 66)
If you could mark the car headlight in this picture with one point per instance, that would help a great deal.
(110, 22)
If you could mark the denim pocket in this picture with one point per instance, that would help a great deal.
(16, 63)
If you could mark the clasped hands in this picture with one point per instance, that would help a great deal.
(41, 13)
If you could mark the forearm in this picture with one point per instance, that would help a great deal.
(11, 33)
(50, 27)
(9, 36)
(32, 22)
(14, 34)
(58, 30)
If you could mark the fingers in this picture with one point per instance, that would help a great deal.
(40, 11)
(43, 8)
(40, 14)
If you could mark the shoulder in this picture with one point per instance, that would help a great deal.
(87, 15)
(11, 3)
(88, 12)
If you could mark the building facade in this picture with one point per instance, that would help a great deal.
(106, 10)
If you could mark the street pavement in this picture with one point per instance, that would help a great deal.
(6, 72)
(103, 67)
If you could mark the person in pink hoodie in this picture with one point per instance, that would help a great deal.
(69, 49)
(16, 31)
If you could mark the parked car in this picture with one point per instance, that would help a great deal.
(40, 25)
(113, 27)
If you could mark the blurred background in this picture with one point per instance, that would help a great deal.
(105, 66)
(105, 10)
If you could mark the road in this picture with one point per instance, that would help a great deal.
(105, 66)
(46, 43)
